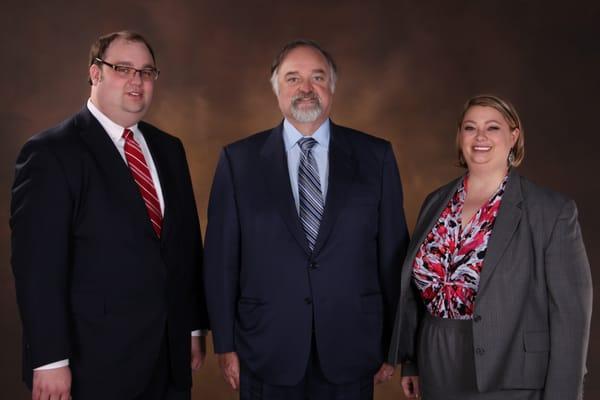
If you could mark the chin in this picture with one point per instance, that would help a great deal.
(136, 110)
(489, 165)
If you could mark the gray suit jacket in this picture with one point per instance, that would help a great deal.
(533, 309)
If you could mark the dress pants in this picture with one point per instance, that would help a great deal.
(314, 386)
(447, 365)
(161, 386)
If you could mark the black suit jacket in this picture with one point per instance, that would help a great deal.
(94, 283)
(267, 292)
(533, 309)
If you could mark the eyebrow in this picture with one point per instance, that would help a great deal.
(487, 122)
(314, 71)
(130, 64)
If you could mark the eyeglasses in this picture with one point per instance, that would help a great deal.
(125, 71)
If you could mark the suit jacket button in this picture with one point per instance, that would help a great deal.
(479, 351)
(308, 300)
(313, 265)
(477, 318)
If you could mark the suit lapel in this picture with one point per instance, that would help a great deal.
(275, 170)
(165, 176)
(428, 218)
(342, 169)
(506, 223)
(122, 186)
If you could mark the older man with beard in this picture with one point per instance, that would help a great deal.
(306, 235)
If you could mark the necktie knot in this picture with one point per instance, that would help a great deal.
(127, 134)
(306, 144)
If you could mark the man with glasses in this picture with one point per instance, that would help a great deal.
(106, 247)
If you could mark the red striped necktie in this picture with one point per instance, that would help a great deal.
(141, 174)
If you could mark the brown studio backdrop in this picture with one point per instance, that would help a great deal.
(406, 70)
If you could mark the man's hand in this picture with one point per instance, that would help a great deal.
(384, 374)
(410, 386)
(51, 384)
(230, 367)
(198, 351)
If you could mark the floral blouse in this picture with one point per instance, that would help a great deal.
(448, 264)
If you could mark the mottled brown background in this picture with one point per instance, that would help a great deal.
(406, 69)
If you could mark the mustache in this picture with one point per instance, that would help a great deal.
(305, 96)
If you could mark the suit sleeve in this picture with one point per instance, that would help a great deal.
(570, 304)
(194, 254)
(410, 310)
(393, 240)
(41, 214)
(222, 257)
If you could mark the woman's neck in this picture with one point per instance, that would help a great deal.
(485, 182)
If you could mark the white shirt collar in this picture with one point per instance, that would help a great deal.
(291, 135)
(114, 130)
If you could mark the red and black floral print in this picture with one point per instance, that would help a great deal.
(448, 264)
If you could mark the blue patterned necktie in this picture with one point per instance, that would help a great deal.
(309, 192)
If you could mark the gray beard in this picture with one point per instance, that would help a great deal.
(307, 115)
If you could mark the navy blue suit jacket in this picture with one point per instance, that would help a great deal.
(267, 292)
(94, 283)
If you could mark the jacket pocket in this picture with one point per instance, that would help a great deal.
(249, 312)
(243, 301)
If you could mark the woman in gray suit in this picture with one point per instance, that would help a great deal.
(496, 288)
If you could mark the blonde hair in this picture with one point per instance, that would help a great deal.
(511, 117)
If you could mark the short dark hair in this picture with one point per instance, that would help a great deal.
(99, 47)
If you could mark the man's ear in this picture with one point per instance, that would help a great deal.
(95, 74)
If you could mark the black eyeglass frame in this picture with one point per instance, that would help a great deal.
(127, 69)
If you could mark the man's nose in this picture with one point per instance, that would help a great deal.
(136, 77)
(306, 86)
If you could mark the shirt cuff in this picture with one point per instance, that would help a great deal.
(54, 365)
(200, 332)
